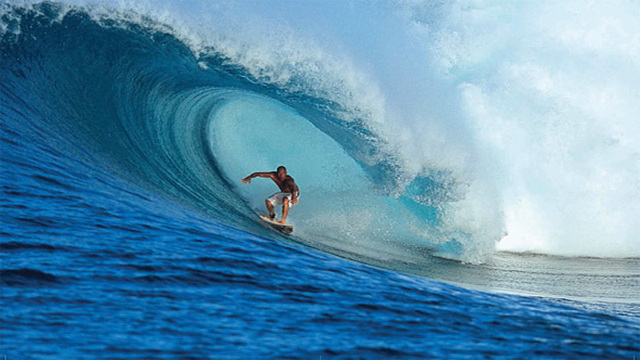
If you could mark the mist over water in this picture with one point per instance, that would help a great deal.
(550, 93)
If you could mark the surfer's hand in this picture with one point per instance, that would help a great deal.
(295, 201)
(246, 180)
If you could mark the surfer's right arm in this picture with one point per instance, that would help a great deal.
(257, 174)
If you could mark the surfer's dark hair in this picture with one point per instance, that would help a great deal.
(281, 167)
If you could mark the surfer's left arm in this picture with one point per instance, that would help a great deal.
(257, 174)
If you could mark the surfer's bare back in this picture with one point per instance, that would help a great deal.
(289, 192)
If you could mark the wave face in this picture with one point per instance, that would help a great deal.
(409, 127)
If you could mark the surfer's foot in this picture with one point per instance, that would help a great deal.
(272, 217)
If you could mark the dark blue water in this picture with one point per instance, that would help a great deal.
(126, 235)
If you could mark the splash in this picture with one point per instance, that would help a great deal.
(549, 91)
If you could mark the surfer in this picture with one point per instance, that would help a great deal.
(289, 192)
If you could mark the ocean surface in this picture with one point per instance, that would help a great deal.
(469, 175)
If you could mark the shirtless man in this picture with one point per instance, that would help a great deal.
(288, 196)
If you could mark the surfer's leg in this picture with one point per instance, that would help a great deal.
(272, 213)
(285, 210)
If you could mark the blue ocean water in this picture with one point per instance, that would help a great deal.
(126, 233)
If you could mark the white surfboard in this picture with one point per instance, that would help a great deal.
(283, 228)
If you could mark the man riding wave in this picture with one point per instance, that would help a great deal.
(288, 195)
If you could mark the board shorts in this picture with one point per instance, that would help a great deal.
(278, 198)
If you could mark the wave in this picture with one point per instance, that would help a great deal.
(18, 246)
(26, 277)
(433, 143)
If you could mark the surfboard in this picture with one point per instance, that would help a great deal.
(283, 228)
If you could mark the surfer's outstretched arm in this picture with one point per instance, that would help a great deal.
(257, 174)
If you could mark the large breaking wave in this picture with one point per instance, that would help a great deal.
(415, 125)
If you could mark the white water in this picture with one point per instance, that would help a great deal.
(532, 106)
(551, 92)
